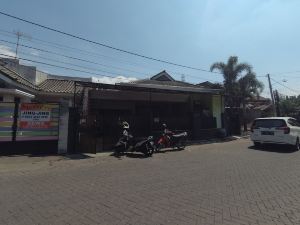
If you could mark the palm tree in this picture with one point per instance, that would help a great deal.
(231, 72)
(239, 82)
(249, 87)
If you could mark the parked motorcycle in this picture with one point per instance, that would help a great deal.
(145, 146)
(172, 140)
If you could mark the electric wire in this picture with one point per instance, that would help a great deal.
(103, 45)
(57, 66)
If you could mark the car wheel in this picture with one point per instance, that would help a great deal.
(297, 145)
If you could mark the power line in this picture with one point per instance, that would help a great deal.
(80, 59)
(62, 67)
(72, 64)
(94, 54)
(101, 44)
(65, 47)
(285, 86)
(70, 57)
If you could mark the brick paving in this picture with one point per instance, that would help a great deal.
(221, 183)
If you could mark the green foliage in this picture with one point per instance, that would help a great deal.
(240, 81)
(290, 106)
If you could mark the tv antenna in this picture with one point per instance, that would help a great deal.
(20, 34)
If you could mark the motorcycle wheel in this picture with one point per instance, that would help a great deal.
(159, 147)
(149, 149)
(119, 149)
(183, 144)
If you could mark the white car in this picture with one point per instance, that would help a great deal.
(276, 130)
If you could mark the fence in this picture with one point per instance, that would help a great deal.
(28, 122)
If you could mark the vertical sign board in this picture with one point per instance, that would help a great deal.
(6, 120)
(38, 122)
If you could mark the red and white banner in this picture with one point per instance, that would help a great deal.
(34, 116)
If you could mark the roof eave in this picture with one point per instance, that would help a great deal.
(173, 88)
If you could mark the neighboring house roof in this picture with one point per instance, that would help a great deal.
(162, 76)
(49, 85)
(258, 99)
(259, 107)
(57, 86)
(208, 84)
(16, 77)
(163, 81)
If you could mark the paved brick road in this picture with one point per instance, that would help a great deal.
(210, 184)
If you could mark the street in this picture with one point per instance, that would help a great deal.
(220, 183)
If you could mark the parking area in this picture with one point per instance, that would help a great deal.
(221, 183)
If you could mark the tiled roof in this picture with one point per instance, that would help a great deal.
(57, 86)
(16, 77)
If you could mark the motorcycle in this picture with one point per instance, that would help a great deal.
(145, 146)
(172, 140)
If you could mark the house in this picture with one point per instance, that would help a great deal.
(85, 115)
(146, 104)
(258, 107)
(17, 95)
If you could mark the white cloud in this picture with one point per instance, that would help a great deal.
(112, 80)
(6, 51)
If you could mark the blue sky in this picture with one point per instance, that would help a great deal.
(197, 33)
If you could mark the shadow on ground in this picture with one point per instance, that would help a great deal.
(77, 156)
(60, 157)
(135, 155)
(274, 148)
(167, 150)
(213, 140)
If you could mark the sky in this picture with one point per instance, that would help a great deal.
(196, 33)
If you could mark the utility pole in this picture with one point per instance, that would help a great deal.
(271, 92)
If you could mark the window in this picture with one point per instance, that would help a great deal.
(268, 123)
(293, 122)
(1, 98)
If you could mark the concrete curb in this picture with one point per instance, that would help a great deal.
(217, 140)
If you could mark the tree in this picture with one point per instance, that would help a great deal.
(231, 72)
(239, 82)
(290, 106)
(249, 87)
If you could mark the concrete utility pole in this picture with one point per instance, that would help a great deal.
(271, 92)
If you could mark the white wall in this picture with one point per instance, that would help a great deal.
(217, 108)
(11, 98)
(63, 126)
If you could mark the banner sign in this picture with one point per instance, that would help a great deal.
(38, 122)
(35, 116)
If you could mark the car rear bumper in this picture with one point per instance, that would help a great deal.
(272, 142)
(286, 140)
